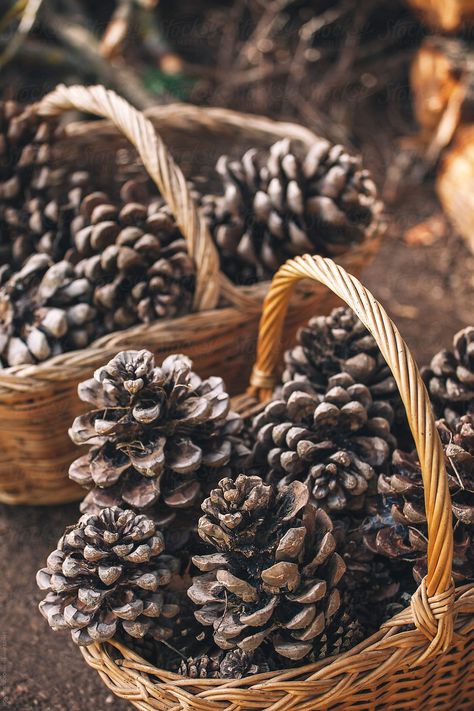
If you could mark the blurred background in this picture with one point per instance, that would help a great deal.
(384, 77)
(390, 79)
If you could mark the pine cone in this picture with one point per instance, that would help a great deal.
(343, 632)
(25, 176)
(274, 572)
(107, 576)
(158, 433)
(282, 205)
(201, 667)
(402, 532)
(450, 377)
(44, 310)
(234, 664)
(370, 582)
(334, 442)
(335, 343)
(133, 252)
(340, 342)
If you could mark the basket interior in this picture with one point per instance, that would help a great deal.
(195, 137)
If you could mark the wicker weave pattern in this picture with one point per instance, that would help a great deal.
(379, 674)
(429, 665)
(38, 402)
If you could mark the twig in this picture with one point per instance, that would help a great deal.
(226, 51)
(319, 121)
(25, 26)
(156, 43)
(12, 13)
(38, 52)
(116, 32)
(447, 125)
(305, 36)
(346, 56)
(238, 78)
(118, 75)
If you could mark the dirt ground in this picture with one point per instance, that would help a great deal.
(427, 290)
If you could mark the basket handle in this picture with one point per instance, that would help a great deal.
(432, 604)
(168, 177)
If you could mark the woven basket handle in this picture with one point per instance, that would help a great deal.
(432, 604)
(162, 169)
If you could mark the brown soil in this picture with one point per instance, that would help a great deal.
(427, 290)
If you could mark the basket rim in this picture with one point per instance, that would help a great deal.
(212, 117)
(391, 649)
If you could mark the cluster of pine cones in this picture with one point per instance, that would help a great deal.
(217, 547)
(77, 263)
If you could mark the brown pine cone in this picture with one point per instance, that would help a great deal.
(202, 667)
(401, 601)
(450, 377)
(44, 310)
(218, 664)
(371, 583)
(335, 343)
(284, 204)
(25, 176)
(133, 252)
(273, 572)
(343, 632)
(158, 433)
(108, 575)
(402, 532)
(340, 342)
(236, 664)
(335, 442)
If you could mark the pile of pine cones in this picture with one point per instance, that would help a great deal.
(219, 548)
(76, 263)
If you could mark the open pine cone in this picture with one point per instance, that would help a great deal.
(278, 206)
(158, 434)
(335, 343)
(335, 442)
(44, 310)
(341, 342)
(401, 532)
(133, 253)
(273, 574)
(450, 377)
(108, 575)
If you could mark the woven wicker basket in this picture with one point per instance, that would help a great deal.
(421, 659)
(38, 402)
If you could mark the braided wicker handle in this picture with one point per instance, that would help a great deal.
(162, 169)
(432, 604)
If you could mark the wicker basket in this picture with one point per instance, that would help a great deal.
(421, 659)
(37, 403)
